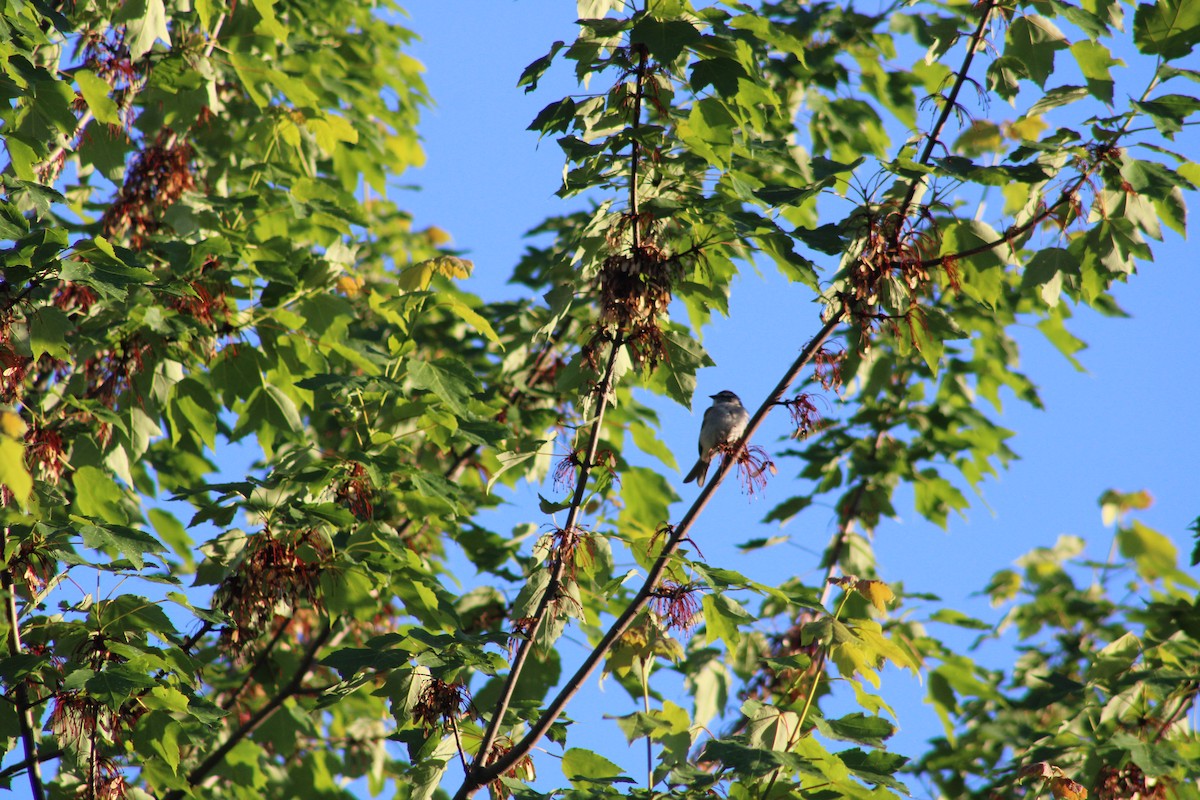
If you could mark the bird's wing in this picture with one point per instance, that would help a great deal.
(708, 412)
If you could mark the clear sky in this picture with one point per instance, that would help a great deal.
(1129, 422)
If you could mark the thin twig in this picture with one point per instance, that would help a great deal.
(951, 102)
(557, 565)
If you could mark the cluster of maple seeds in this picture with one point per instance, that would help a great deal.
(354, 492)
(894, 246)
(522, 769)
(635, 290)
(440, 705)
(208, 303)
(896, 251)
(157, 177)
(675, 604)
(278, 574)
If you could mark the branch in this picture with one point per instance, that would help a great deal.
(481, 776)
(603, 391)
(1016, 230)
(960, 80)
(550, 592)
(24, 709)
(293, 686)
(24, 764)
(634, 149)
(263, 655)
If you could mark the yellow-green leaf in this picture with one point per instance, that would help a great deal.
(95, 91)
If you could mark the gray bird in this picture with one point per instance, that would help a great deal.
(724, 422)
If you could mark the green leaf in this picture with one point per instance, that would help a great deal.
(857, 727)
(646, 439)
(1167, 28)
(331, 131)
(665, 39)
(121, 540)
(429, 765)
(146, 22)
(1033, 40)
(48, 329)
(449, 380)
(12, 457)
(789, 508)
(97, 495)
(1063, 340)
(646, 497)
(1150, 178)
(1169, 111)
(1058, 96)
(557, 117)
(112, 686)
(1096, 63)
(584, 768)
(191, 412)
(95, 91)
(470, 316)
(745, 762)
(723, 74)
(171, 531)
(1116, 658)
(676, 375)
(876, 767)
(382, 653)
(531, 74)
(1154, 554)
(950, 616)
(268, 25)
(722, 616)
(1173, 211)
(936, 497)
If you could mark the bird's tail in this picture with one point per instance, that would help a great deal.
(698, 473)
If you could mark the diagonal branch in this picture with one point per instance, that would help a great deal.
(557, 565)
(1016, 230)
(481, 776)
(202, 770)
(549, 594)
(948, 107)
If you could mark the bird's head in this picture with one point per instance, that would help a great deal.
(725, 396)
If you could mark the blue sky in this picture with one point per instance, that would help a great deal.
(1129, 422)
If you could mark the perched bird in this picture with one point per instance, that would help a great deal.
(724, 422)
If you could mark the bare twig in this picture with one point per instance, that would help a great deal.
(951, 100)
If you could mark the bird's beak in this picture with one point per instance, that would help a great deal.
(712, 396)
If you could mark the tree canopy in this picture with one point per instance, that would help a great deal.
(251, 417)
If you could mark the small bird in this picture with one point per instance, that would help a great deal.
(723, 423)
